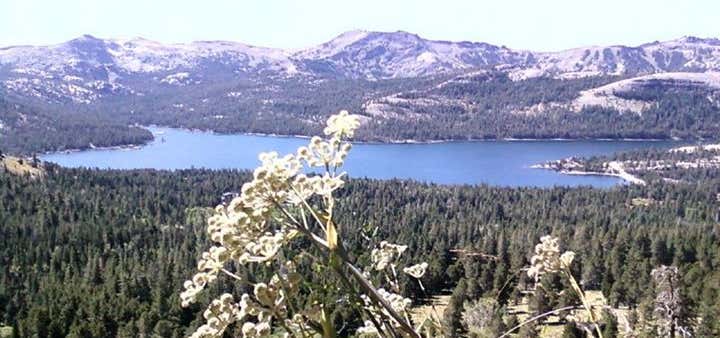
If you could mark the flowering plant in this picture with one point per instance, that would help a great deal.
(548, 260)
(278, 207)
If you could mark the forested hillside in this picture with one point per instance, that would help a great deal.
(25, 129)
(481, 105)
(88, 253)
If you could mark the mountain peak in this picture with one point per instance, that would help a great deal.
(85, 37)
(87, 43)
(334, 46)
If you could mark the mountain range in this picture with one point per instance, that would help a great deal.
(87, 68)
(401, 85)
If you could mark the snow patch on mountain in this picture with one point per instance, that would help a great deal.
(427, 57)
(72, 78)
(178, 79)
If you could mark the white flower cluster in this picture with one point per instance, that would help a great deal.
(386, 255)
(245, 231)
(321, 153)
(398, 303)
(417, 270)
(566, 259)
(221, 313)
(268, 301)
(209, 266)
(342, 125)
(547, 258)
(331, 153)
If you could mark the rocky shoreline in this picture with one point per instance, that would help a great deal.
(571, 166)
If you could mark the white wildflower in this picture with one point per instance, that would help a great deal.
(221, 313)
(209, 266)
(417, 270)
(327, 154)
(266, 247)
(566, 259)
(386, 254)
(327, 184)
(547, 258)
(367, 329)
(303, 188)
(397, 302)
(254, 227)
(342, 125)
(253, 330)
(194, 287)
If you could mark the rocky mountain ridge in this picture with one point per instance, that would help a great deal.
(87, 68)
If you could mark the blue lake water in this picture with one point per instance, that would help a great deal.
(502, 163)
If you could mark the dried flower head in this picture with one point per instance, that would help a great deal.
(221, 313)
(397, 302)
(342, 125)
(386, 255)
(547, 258)
(566, 259)
(417, 270)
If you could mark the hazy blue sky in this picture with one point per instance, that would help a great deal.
(528, 24)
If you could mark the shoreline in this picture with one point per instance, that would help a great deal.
(153, 129)
(614, 166)
(416, 141)
(94, 148)
(631, 179)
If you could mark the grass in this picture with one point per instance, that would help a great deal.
(433, 308)
(21, 166)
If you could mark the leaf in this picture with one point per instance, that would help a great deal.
(331, 236)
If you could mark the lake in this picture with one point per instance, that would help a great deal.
(501, 163)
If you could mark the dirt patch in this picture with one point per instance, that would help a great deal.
(22, 166)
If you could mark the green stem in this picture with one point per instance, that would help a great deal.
(365, 285)
(585, 302)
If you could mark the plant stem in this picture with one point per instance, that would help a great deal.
(585, 302)
(508, 332)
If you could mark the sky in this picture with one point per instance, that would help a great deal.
(541, 25)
